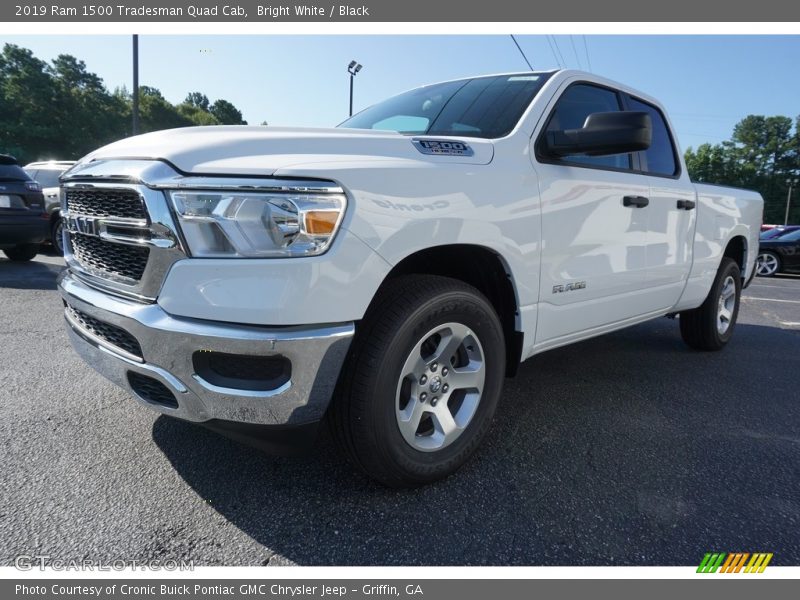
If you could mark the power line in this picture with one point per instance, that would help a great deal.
(553, 50)
(586, 49)
(521, 52)
(555, 41)
(575, 51)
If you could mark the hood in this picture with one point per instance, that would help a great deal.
(262, 150)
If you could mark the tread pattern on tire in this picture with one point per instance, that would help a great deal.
(699, 326)
(394, 304)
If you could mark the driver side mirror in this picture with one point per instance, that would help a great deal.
(603, 134)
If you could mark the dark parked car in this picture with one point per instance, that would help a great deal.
(47, 174)
(24, 222)
(777, 231)
(779, 255)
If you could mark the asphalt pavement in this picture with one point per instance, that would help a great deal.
(628, 449)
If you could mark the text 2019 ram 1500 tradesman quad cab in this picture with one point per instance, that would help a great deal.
(388, 274)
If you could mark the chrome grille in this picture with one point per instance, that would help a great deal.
(116, 203)
(101, 257)
(111, 334)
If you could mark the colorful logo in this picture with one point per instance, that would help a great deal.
(734, 562)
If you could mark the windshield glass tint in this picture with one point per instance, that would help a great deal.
(487, 107)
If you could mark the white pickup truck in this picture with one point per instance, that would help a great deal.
(388, 274)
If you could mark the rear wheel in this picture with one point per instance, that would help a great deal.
(422, 381)
(768, 264)
(22, 253)
(711, 326)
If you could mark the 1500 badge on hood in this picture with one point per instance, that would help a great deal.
(443, 147)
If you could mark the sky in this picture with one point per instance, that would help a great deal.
(707, 83)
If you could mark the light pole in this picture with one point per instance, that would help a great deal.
(135, 84)
(353, 68)
(791, 183)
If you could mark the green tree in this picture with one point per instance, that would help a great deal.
(226, 113)
(27, 97)
(61, 110)
(763, 154)
(198, 100)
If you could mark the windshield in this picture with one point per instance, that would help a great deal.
(792, 236)
(486, 107)
(775, 233)
(47, 178)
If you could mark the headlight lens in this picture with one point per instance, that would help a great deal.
(251, 224)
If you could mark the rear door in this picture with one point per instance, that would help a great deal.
(672, 213)
(594, 227)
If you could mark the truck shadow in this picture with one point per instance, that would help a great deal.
(625, 449)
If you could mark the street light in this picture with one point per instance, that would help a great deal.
(792, 183)
(353, 68)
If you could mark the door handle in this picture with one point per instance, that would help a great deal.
(686, 204)
(635, 201)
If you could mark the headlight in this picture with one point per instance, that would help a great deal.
(231, 223)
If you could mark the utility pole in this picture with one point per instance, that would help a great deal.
(353, 68)
(135, 84)
(791, 183)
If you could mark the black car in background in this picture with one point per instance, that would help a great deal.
(24, 222)
(779, 254)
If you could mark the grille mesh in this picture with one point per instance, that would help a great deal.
(121, 260)
(121, 203)
(112, 334)
(151, 390)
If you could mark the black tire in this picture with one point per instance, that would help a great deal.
(22, 253)
(777, 264)
(56, 238)
(699, 327)
(363, 415)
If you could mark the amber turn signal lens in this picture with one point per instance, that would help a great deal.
(321, 222)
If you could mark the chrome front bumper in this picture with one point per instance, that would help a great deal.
(168, 344)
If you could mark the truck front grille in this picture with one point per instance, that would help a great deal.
(116, 336)
(107, 258)
(113, 203)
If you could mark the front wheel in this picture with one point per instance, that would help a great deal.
(710, 326)
(422, 381)
(767, 264)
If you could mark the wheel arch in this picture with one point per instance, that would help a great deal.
(736, 249)
(482, 268)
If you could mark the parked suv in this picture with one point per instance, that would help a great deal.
(23, 220)
(47, 174)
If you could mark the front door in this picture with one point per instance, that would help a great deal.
(594, 229)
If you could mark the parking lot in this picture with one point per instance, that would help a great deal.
(628, 449)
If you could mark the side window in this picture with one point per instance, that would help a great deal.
(571, 110)
(660, 156)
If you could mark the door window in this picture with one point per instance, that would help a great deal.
(570, 112)
(659, 158)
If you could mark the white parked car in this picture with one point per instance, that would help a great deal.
(46, 173)
(387, 275)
